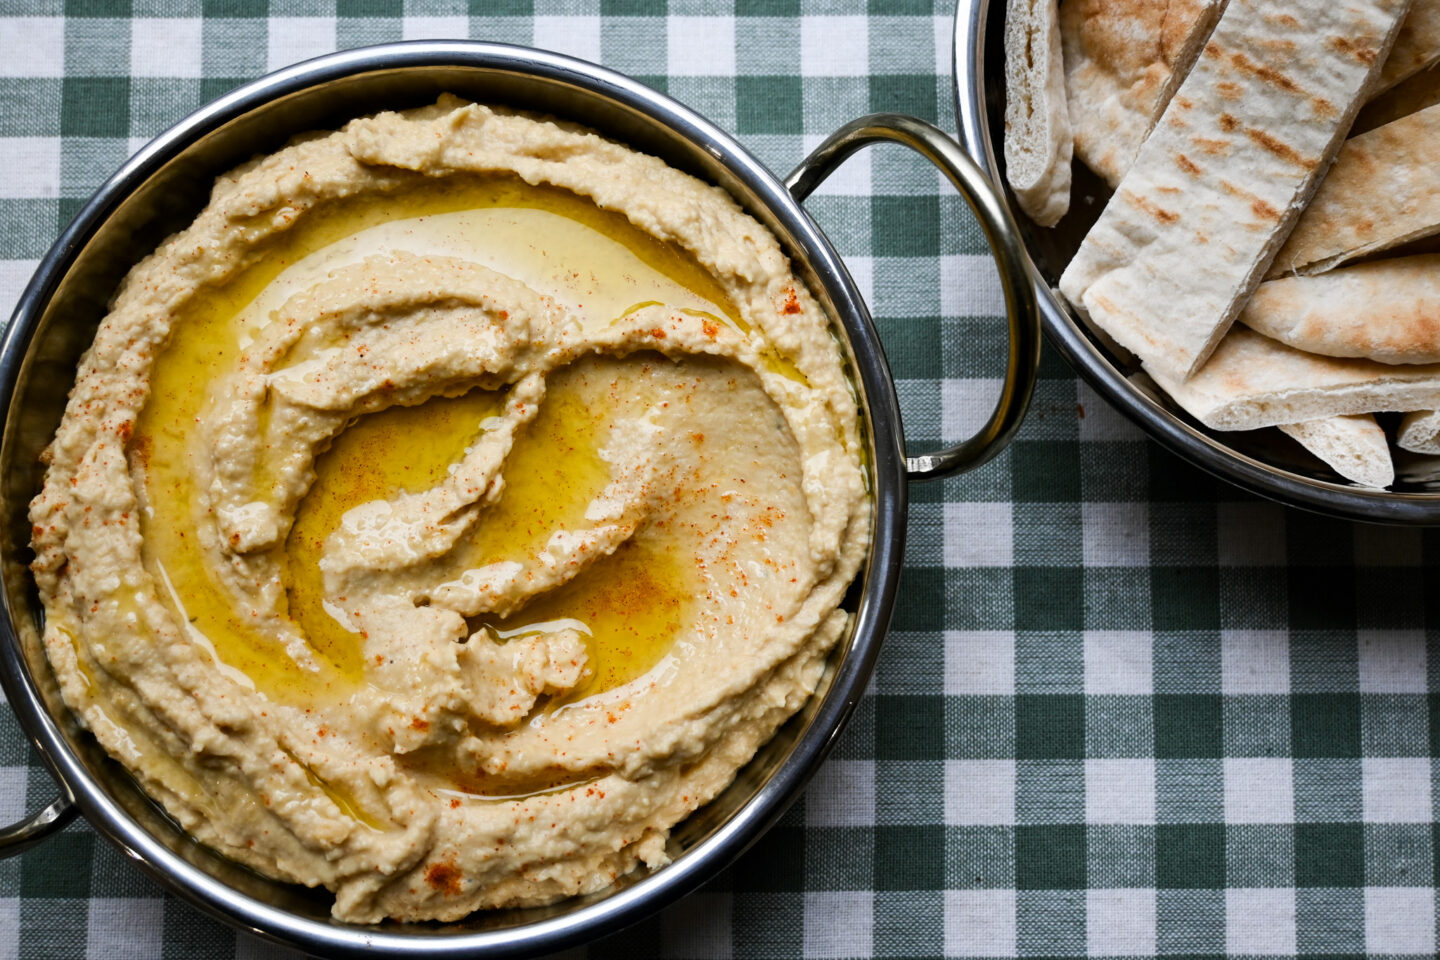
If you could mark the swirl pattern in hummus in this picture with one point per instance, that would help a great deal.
(451, 510)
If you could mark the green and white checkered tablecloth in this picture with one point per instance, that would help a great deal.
(1124, 710)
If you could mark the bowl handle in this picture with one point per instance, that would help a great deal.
(1021, 310)
(36, 828)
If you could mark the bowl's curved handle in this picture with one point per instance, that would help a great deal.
(1021, 309)
(36, 828)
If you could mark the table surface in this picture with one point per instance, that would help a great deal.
(1124, 709)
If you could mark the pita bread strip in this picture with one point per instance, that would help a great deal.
(1386, 310)
(1038, 142)
(1379, 194)
(1123, 60)
(1417, 46)
(1353, 446)
(1253, 382)
(1215, 188)
(1420, 432)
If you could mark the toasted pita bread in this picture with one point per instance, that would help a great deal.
(1252, 382)
(1417, 46)
(1038, 143)
(1379, 194)
(1354, 447)
(1386, 310)
(1420, 432)
(1123, 60)
(1215, 188)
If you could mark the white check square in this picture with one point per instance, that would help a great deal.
(979, 793)
(839, 923)
(1392, 661)
(1399, 920)
(292, 39)
(32, 168)
(979, 923)
(1120, 923)
(1396, 789)
(841, 794)
(979, 663)
(1254, 661)
(166, 47)
(701, 46)
(1119, 662)
(1260, 921)
(572, 36)
(1115, 534)
(1120, 791)
(435, 28)
(1259, 790)
(134, 926)
(33, 47)
(834, 46)
(979, 535)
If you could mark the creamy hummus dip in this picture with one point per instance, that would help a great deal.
(451, 510)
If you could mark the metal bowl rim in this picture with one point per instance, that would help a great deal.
(879, 407)
(1180, 437)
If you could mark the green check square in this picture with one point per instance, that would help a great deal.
(840, 858)
(1329, 855)
(1185, 598)
(369, 8)
(1329, 922)
(1190, 924)
(768, 105)
(1190, 855)
(909, 727)
(236, 8)
(761, 924)
(914, 8)
(1046, 471)
(1174, 481)
(1050, 857)
(1117, 598)
(767, 8)
(1050, 923)
(776, 865)
(61, 868)
(1327, 789)
(1257, 725)
(1112, 470)
(54, 929)
(628, 8)
(983, 598)
(1049, 599)
(1260, 855)
(1394, 725)
(913, 94)
(923, 608)
(1399, 855)
(97, 8)
(979, 857)
(1322, 598)
(1119, 726)
(1120, 855)
(1253, 598)
(905, 226)
(1390, 598)
(30, 106)
(1049, 661)
(1049, 791)
(980, 728)
(909, 858)
(1325, 724)
(29, 227)
(95, 107)
(1189, 725)
(1049, 726)
(907, 923)
(913, 356)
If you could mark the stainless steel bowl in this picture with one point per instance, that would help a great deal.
(162, 188)
(1265, 462)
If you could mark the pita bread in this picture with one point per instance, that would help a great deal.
(1354, 447)
(1387, 310)
(1123, 60)
(1420, 432)
(1253, 382)
(1379, 194)
(1417, 46)
(1214, 189)
(1038, 143)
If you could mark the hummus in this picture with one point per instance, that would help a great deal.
(451, 510)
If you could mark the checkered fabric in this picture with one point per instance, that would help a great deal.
(1124, 710)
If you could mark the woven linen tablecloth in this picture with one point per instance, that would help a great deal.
(1124, 710)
